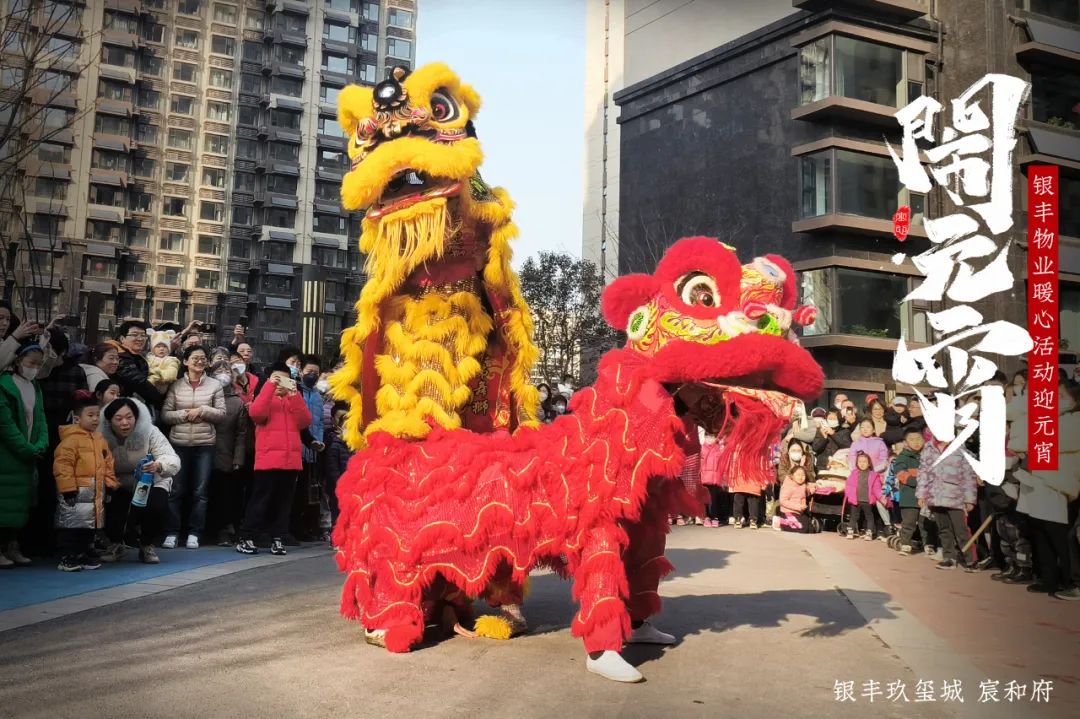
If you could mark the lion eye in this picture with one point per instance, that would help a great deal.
(443, 107)
(698, 289)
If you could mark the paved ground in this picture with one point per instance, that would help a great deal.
(765, 632)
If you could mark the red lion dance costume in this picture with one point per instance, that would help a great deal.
(589, 494)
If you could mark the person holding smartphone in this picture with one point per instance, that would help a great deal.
(279, 414)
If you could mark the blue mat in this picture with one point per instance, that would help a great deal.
(43, 582)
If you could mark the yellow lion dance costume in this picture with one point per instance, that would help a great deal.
(442, 336)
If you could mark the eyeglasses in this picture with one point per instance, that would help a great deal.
(198, 360)
(136, 335)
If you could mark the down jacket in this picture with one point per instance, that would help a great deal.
(792, 496)
(144, 439)
(230, 450)
(208, 396)
(950, 484)
(278, 423)
(133, 373)
(83, 464)
(1046, 494)
(18, 452)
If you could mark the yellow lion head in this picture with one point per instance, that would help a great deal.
(411, 139)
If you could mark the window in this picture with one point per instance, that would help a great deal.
(285, 152)
(150, 99)
(101, 268)
(150, 65)
(180, 139)
(370, 11)
(63, 46)
(220, 78)
(278, 285)
(292, 23)
(1067, 10)
(218, 144)
(209, 245)
(244, 182)
(328, 95)
(212, 211)
(248, 148)
(240, 249)
(172, 242)
(277, 251)
(285, 119)
(223, 45)
(218, 111)
(138, 272)
(176, 206)
(330, 126)
(854, 183)
(188, 39)
(337, 63)
(283, 184)
(225, 14)
(342, 5)
(143, 167)
(333, 160)
(289, 55)
(238, 281)
(141, 202)
(146, 134)
(1054, 96)
(330, 224)
(335, 291)
(862, 303)
(816, 184)
(55, 118)
(206, 314)
(254, 20)
(1069, 222)
(248, 115)
(119, 22)
(327, 191)
(367, 73)
(189, 7)
(48, 225)
(113, 90)
(242, 215)
(108, 160)
(55, 82)
(182, 105)
(107, 195)
(369, 41)
(253, 51)
(250, 84)
(137, 237)
(400, 18)
(846, 67)
(280, 217)
(170, 276)
(177, 172)
(184, 72)
(167, 312)
(153, 32)
(396, 47)
(51, 152)
(50, 188)
(291, 86)
(339, 33)
(213, 176)
(207, 279)
(119, 56)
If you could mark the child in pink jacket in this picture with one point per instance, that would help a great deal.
(793, 502)
(862, 492)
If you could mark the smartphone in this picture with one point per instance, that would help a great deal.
(288, 384)
(210, 328)
(243, 321)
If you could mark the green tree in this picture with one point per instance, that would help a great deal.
(564, 295)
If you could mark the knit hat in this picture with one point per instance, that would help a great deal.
(818, 412)
(161, 337)
(898, 400)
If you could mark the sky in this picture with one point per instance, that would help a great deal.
(526, 59)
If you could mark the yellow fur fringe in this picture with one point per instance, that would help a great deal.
(491, 626)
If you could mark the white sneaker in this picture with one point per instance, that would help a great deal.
(612, 666)
(648, 634)
(192, 542)
(170, 542)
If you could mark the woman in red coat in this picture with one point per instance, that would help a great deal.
(279, 414)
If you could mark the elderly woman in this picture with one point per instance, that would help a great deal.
(104, 361)
(128, 427)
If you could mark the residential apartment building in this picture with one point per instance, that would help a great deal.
(775, 141)
(200, 176)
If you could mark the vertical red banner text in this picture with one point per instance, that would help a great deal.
(1043, 318)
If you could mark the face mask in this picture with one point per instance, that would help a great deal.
(28, 373)
(559, 409)
(239, 368)
(310, 380)
(294, 372)
(323, 386)
(795, 456)
(223, 378)
(833, 423)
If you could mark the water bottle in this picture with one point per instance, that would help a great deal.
(145, 482)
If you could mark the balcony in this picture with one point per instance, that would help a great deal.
(1050, 43)
(119, 38)
(117, 72)
(1050, 144)
(903, 10)
(121, 108)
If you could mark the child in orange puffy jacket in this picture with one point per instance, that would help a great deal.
(83, 468)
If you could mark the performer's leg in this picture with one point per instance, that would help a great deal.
(600, 587)
(645, 564)
(392, 613)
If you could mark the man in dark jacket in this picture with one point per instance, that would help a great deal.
(134, 372)
(906, 470)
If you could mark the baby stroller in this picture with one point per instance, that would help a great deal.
(827, 504)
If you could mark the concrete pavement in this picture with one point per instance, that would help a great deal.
(765, 631)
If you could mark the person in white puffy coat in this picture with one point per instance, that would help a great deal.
(1045, 495)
